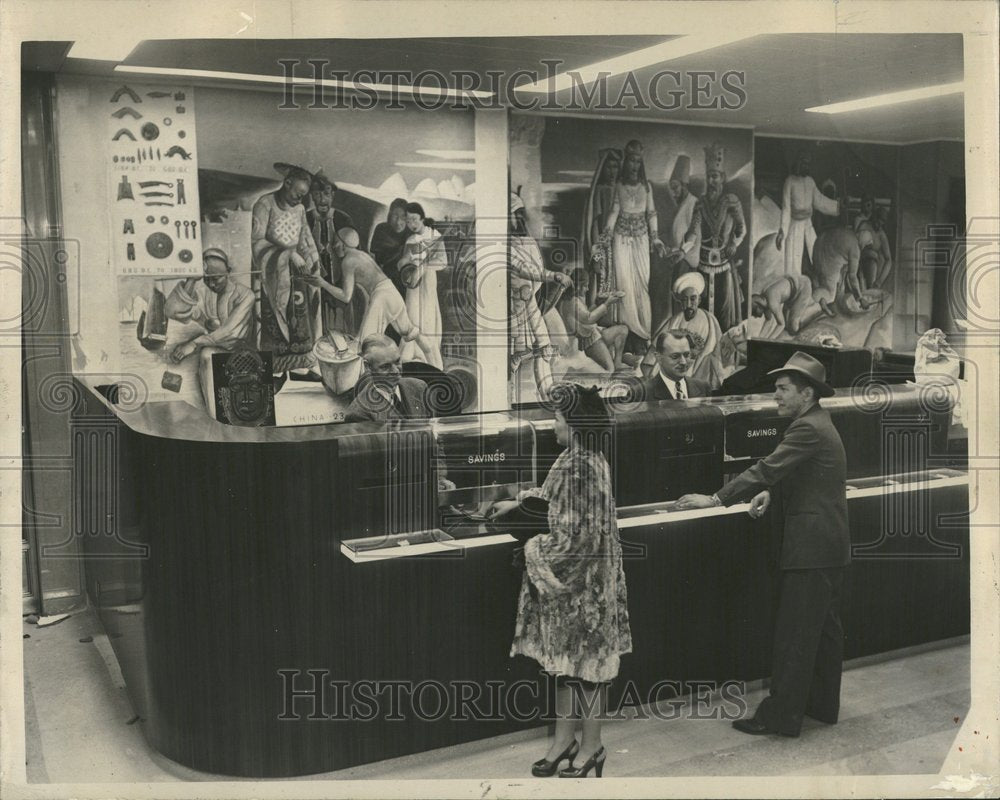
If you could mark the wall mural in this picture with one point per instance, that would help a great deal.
(614, 226)
(322, 230)
(824, 242)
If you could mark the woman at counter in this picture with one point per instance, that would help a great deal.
(572, 614)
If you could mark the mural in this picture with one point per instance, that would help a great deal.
(317, 232)
(607, 219)
(824, 239)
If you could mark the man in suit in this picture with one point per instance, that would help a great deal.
(810, 467)
(383, 393)
(673, 381)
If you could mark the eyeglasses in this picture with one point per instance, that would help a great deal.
(388, 368)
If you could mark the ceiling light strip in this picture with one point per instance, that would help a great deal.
(635, 60)
(892, 98)
(385, 88)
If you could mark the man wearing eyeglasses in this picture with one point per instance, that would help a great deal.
(222, 306)
(675, 358)
(383, 393)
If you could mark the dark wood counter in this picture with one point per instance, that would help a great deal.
(243, 594)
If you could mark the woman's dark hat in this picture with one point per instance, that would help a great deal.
(808, 367)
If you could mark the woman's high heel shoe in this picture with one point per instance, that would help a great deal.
(595, 762)
(543, 768)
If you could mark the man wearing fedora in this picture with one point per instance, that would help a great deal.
(809, 467)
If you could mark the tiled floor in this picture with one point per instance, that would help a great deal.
(897, 717)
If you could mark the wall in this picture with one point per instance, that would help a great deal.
(931, 174)
(374, 156)
(848, 171)
(545, 155)
(558, 164)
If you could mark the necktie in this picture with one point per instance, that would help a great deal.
(397, 404)
(679, 391)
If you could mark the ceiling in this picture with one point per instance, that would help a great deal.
(784, 73)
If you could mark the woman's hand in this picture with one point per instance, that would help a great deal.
(658, 247)
(760, 504)
(502, 507)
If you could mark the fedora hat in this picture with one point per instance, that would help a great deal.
(807, 366)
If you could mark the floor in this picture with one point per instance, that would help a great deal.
(898, 716)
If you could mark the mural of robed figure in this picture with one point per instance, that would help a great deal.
(284, 254)
(718, 217)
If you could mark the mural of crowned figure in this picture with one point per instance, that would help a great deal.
(612, 203)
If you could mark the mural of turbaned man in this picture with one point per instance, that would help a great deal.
(640, 216)
(341, 226)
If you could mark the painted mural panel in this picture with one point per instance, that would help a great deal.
(620, 231)
(824, 227)
(316, 232)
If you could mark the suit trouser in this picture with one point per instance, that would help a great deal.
(808, 651)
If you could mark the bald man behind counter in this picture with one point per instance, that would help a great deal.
(384, 394)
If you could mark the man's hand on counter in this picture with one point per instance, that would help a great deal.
(445, 485)
(759, 504)
(690, 501)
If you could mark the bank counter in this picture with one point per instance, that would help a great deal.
(268, 591)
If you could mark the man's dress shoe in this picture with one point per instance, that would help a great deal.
(757, 728)
(752, 726)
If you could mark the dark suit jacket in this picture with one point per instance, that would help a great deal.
(810, 467)
(653, 388)
(370, 406)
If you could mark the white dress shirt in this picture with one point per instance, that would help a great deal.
(672, 385)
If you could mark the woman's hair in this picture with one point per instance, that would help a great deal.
(416, 208)
(399, 202)
(586, 413)
(634, 147)
(607, 156)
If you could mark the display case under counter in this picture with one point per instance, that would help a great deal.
(248, 578)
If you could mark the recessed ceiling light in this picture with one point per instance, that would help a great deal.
(422, 91)
(876, 101)
(634, 60)
(107, 48)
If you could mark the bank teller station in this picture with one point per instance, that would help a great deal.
(340, 555)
